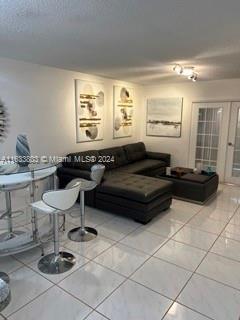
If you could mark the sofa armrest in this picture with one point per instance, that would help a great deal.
(160, 156)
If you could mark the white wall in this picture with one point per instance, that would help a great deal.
(221, 90)
(41, 103)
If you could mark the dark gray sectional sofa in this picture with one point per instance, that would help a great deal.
(129, 186)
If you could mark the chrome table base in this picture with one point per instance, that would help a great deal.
(52, 264)
(7, 236)
(15, 241)
(5, 295)
(24, 241)
(82, 234)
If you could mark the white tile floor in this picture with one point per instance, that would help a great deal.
(184, 265)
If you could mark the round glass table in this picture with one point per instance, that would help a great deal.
(20, 231)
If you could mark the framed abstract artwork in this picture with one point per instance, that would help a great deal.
(123, 105)
(164, 117)
(90, 102)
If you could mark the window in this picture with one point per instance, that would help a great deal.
(208, 128)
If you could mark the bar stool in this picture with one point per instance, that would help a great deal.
(54, 203)
(83, 233)
(5, 294)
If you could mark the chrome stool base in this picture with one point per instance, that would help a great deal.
(82, 234)
(50, 264)
(5, 295)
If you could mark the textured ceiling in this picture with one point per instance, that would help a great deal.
(135, 40)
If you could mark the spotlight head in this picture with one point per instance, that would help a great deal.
(188, 71)
(178, 69)
(193, 77)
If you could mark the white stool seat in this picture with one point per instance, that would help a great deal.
(42, 207)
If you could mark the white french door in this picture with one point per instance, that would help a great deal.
(232, 172)
(209, 136)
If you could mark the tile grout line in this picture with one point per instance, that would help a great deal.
(105, 317)
(10, 314)
(171, 238)
(128, 278)
(1, 315)
(222, 283)
(194, 272)
(56, 284)
(51, 287)
(92, 259)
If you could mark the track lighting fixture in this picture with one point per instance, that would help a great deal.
(186, 71)
(178, 69)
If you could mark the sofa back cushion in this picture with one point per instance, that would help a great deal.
(113, 157)
(81, 160)
(135, 151)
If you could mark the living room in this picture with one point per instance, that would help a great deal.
(119, 160)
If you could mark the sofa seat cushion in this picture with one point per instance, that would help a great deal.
(135, 151)
(135, 187)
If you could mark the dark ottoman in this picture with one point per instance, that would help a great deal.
(139, 197)
(192, 187)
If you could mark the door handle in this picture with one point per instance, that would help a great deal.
(230, 144)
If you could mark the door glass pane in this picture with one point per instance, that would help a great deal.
(208, 129)
(236, 154)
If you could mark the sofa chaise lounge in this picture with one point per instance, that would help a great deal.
(129, 186)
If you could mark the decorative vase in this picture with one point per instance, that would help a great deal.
(22, 150)
(199, 167)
